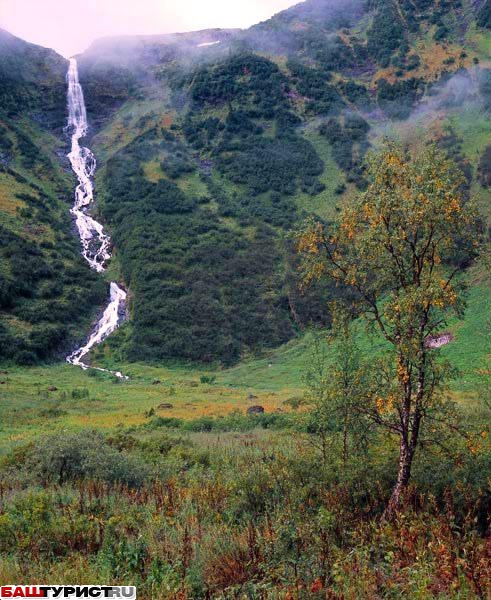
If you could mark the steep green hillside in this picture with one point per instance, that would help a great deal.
(47, 294)
(32, 79)
(212, 154)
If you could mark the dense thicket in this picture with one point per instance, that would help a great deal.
(277, 164)
(46, 289)
(255, 143)
(397, 99)
(348, 139)
(484, 84)
(208, 274)
(204, 288)
(323, 97)
(201, 289)
(386, 33)
(484, 169)
(241, 78)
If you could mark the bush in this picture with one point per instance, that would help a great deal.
(344, 137)
(190, 273)
(232, 422)
(74, 456)
(32, 527)
(314, 84)
(397, 99)
(484, 169)
(441, 33)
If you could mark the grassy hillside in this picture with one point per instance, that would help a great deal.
(251, 135)
(210, 155)
(32, 80)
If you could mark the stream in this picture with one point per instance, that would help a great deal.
(96, 244)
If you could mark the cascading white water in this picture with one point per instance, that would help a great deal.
(95, 243)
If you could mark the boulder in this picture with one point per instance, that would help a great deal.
(52, 388)
(439, 340)
(165, 405)
(255, 410)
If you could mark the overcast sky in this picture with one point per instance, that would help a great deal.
(70, 26)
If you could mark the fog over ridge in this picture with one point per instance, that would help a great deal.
(50, 23)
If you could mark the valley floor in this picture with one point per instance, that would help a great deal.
(59, 397)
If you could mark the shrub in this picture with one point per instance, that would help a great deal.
(441, 33)
(72, 456)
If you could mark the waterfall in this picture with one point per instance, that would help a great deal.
(95, 243)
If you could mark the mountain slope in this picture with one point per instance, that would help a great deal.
(33, 80)
(213, 145)
(209, 149)
(47, 295)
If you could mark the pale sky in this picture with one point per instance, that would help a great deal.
(70, 26)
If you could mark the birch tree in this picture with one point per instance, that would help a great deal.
(393, 247)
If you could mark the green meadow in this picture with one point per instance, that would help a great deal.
(59, 397)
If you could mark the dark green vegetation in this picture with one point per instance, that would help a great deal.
(349, 144)
(256, 145)
(32, 79)
(201, 289)
(47, 294)
(398, 99)
(484, 15)
(484, 170)
(205, 270)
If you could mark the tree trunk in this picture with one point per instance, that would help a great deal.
(403, 475)
(345, 442)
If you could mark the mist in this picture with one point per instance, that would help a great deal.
(69, 28)
(466, 89)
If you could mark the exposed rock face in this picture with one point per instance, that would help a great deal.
(437, 341)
